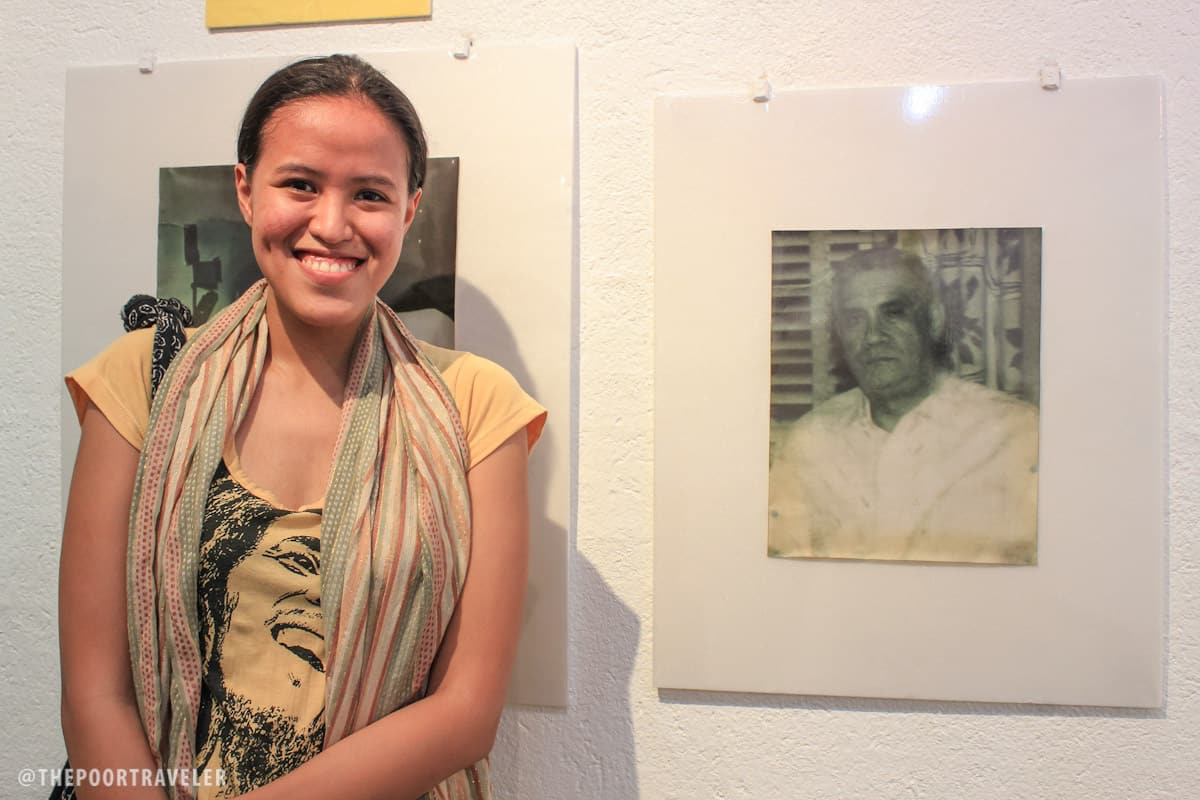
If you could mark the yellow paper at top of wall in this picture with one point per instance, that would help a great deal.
(247, 13)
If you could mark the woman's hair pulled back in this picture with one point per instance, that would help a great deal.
(333, 76)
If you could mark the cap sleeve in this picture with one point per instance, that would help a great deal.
(117, 382)
(493, 406)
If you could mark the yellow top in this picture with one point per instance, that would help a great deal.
(258, 592)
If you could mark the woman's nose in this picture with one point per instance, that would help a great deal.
(330, 222)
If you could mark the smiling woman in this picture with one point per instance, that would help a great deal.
(297, 508)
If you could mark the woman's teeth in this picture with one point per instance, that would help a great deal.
(326, 264)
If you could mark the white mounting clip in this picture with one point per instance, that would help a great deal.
(462, 48)
(146, 61)
(1050, 76)
(762, 90)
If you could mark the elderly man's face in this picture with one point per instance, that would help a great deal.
(882, 319)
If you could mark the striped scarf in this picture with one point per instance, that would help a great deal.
(395, 529)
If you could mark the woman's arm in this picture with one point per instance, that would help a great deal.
(100, 718)
(411, 750)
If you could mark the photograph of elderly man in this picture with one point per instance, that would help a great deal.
(925, 445)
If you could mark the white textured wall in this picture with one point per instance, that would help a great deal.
(620, 738)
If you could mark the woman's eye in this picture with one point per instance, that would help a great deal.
(299, 184)
(371, 196)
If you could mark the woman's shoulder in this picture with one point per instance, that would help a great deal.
(491, 402)
(462, 367)
(473, 379)
(132, 347)
(117, 381)
(442, 357)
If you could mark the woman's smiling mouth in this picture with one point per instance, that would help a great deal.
(328, 270)
(319, 263)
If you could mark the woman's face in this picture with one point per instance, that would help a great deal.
(328, 207)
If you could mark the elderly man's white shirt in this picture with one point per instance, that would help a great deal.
(955, 481)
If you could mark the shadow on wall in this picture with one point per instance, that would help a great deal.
(540, 672)
(586, 751)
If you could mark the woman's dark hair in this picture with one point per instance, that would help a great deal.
(333, 76)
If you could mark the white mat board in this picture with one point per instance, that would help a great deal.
(1086, 164)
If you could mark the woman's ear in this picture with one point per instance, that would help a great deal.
(241, 181)
(411, 212)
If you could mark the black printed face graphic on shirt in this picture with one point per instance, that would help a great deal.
(289, 619)
(262, 637)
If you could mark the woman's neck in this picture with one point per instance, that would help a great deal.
(302, 353)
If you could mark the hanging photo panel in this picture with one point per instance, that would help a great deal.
(500, 125)
(909, 393)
